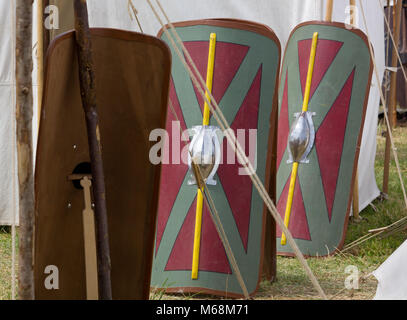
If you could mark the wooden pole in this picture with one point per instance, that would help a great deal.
(40, 55)
(329, 10)
(392, 112)
(394, 62)
(24, 113)
(355, 201)
(352, 16)
(389, 12)
(88, 94)
(46, 33)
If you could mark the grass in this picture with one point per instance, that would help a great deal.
(292, 282)
(5, 263)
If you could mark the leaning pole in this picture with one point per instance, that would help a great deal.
(24, 114)
(88, 95)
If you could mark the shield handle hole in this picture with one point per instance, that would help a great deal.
(81, 168)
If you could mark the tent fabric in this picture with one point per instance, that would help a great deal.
(368, 189)
(281, 16)
(8, 156)
(392, 276)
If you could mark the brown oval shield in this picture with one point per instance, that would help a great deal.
(132, 80)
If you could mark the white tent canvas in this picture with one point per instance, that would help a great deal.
(8, 172)
(392, 276)
(281, 16)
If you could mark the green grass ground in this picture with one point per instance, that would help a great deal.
(292, 282)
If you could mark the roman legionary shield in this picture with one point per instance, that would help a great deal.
(338, 98)
(132, 82)
(246, 65)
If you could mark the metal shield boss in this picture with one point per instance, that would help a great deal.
(205, 151)
(301, 138)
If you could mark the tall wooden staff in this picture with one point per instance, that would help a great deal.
(24, 113)
(88, 94)
(392, 112)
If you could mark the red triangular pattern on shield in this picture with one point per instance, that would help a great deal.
(238, 188)
(228, 59)
(325, 55)
(283, 125)
(298, 225)
(212, 253)
(172, 174)
(329, 141)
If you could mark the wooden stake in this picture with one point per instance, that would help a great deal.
(88, 94)
(329, 10)
(24, 113)
(391, 110)
(355, 201)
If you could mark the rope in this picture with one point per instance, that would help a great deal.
(135, 12)
(217, 113)
(396, 159)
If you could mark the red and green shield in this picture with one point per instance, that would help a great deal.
(339, 92)
(246, 71)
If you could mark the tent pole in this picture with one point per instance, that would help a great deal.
(392, 112)
(24, 112)
(394, 63)
(88, 94)
(355, 201)
(352, 17)
(329, 9)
